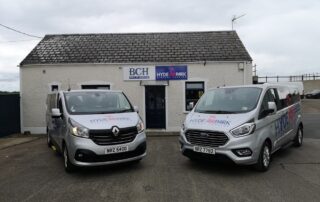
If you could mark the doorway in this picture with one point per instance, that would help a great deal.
(155, 107)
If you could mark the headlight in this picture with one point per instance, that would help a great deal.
(78, 130)
(243, 130)
(140, 126)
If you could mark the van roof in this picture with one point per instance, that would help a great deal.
(263, 86)
(90, 90)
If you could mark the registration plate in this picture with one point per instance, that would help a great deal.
(116, 149)
(206, 150)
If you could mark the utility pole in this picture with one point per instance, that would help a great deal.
(254, 69)
(255, 78)
(234, 18)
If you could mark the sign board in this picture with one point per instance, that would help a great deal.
(172, 72)
(131, 73)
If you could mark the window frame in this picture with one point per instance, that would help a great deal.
(262, 109)
(96, 86)
(54, 87)
(185, 92)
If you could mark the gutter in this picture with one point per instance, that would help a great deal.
(136, 63)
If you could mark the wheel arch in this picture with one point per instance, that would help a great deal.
(301, 125)
(269, 142)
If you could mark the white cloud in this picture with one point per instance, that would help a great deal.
(281, 36)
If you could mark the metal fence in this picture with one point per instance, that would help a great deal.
(304, 77)
(9, 114)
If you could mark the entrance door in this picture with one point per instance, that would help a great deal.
(155, 107)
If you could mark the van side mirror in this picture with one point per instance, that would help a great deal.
(55, 113)
(272, 107)
(136, 109)
(190, 105)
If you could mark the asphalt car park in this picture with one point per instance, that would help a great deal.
(32, 172)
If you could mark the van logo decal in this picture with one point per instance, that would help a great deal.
(109, 119)
(211, 120)
(115, 130)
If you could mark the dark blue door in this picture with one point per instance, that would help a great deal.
(155, 107)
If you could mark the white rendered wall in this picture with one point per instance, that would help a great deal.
(35, 83)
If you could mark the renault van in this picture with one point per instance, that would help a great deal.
(94, 127)
(244, 124)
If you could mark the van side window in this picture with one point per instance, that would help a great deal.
(295, 97)
(274, 93)
(268, 97)
(284, 97)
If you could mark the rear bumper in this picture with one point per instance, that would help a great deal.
(94, 155)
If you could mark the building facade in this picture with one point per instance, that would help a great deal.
(161, 73)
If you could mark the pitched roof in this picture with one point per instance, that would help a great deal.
(138, 48)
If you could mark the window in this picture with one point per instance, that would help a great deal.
(102, 87)
(99, 102)
(295, 96)
(268, 97)
(229, 100)
(275, 95)
(194, 91)
(54, 88)
(284, 97)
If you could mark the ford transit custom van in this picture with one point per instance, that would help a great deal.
(94, 127)
(244, 124)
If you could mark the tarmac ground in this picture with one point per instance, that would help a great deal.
(30, 171)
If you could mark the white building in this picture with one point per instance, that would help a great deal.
(159, 72)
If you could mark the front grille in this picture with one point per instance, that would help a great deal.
(106, 137)
(206, 138)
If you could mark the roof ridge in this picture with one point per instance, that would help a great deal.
(139, 33)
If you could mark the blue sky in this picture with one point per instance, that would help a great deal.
(281, 36)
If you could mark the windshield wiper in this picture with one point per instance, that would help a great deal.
(109, 112)
(124, 110)
(217, 112)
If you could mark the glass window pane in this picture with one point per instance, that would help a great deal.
(229, 100)
(195, 85)
(54, 88)
(194, 91)
(102, 87)
(97, 102)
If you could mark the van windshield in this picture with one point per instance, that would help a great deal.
(229, 100)
(97, 102)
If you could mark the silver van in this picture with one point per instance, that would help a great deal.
(245, 124)
(94, 127)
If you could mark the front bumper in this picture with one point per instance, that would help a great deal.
(94, 155)
(225, 152)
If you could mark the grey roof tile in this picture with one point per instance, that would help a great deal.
(138, 47)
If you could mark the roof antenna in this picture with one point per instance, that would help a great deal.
(69, 87)
(234, 18)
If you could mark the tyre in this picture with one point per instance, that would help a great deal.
(49, 142)
(297, 142)
(194, 159)
(68, 166)
(136, 161)
(264, 158)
